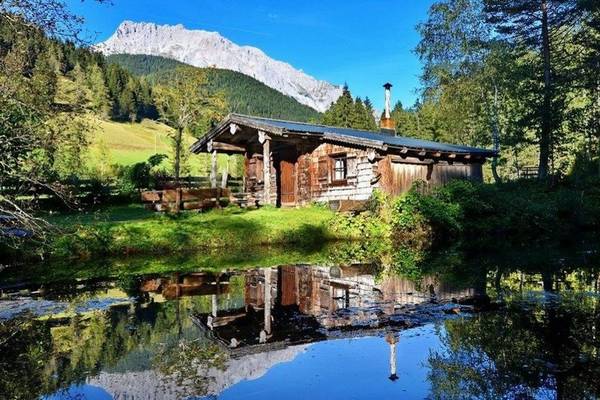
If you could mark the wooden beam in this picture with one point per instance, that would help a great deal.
(452, 155)
(422, 153)
(227, 147)
(411, 160)
(404, 150)
(348, 140)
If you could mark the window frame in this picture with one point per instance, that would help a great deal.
(335, 158)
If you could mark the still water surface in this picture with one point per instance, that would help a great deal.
(466, 326)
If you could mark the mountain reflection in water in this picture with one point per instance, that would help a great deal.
(470, 327)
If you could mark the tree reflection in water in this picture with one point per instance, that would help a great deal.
(535, 348)
(186, 364)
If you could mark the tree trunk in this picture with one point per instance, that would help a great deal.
(596, 113)
(496, 138)
(546, 134)
(178, 139)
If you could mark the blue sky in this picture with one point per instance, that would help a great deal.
(362, 42)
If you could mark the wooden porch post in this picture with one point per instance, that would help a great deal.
(215, 305)
(225, 174)
(268, 300)
(213, 169)
(266, 142)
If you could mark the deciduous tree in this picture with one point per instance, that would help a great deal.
(185, 106)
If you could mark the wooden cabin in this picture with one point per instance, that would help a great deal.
(292, 163)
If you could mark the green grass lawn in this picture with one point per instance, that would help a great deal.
(131, 212)
(133, 230)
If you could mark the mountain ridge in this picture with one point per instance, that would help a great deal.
(201, 48)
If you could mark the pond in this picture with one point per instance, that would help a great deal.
(335, 322)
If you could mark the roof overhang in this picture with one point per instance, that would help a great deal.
(220, 138)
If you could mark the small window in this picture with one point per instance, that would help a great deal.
(339, 168)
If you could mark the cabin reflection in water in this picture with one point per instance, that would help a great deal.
(272, 308)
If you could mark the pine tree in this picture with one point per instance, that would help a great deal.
(363, 118)
(131, 95)
(538, 26)
(357, 117)
(341, 112)
(371, 111)
(127, 107)
(404, 120)
(146, 107)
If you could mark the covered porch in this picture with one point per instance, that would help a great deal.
(270, 159)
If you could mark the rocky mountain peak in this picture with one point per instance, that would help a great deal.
(209, 49)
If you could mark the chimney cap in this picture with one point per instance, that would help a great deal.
(387, 85)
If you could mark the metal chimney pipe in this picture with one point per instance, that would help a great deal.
(388, 100)
(387, 124)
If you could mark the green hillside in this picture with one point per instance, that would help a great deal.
(127, 143)
(245, 95)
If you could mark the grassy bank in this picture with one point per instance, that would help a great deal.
(133, 230)
(522, 213)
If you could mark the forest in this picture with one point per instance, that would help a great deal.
(243, 94)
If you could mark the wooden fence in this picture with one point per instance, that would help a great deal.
(528, 172)
(92, 190)
(234, 184)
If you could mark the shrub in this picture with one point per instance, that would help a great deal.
(434, 216)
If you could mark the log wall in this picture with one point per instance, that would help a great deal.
(255, 178)
(315, 185)
(391, 173)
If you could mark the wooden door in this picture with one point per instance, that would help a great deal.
(288, 182)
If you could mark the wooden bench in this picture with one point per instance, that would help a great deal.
(190, 198)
